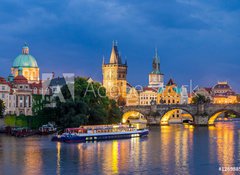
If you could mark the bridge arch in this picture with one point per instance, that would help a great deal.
(132, 114)
(216, 114)
(167, 115)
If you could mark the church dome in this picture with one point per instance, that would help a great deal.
(25, 60)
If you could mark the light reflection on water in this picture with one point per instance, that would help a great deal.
(172, 149)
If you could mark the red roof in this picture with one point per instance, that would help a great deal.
(20, 80)
(37, 85)
(150, 89)
(3, 81)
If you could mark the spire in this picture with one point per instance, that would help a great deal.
(170, 82)
(156, 63)
(156, 53)
(115, 58)
(103, 61)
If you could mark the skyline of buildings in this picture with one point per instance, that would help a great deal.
(24, 81)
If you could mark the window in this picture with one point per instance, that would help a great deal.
(3, 88)
(3, 95)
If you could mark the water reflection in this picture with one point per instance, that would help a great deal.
(172, 149)
(182, 142)
(223, 144)
(58, 158)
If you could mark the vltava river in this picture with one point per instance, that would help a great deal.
(168, 150)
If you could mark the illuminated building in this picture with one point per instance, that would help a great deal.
(28, 64)
(148, 96)
(23, 94)
(223, 93)
(172, 94)
(132, 97)
(114, 76)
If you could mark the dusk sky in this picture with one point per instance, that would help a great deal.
(196, 39)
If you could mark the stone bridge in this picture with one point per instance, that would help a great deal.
(202, 114)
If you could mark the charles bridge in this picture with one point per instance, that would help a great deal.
(202, 114)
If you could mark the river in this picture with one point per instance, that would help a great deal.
(174, 149)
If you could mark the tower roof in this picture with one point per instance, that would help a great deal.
(2, 80)
(115, 58)
(20, 79)
(171, 82)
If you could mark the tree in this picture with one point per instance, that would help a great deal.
(200, 99)
(89, 106)
(2, 108)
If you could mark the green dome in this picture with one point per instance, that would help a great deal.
(25, 59)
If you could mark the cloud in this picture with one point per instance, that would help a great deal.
(74, 35)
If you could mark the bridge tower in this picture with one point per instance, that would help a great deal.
(115, 76)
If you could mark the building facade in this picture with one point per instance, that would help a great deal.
(132, 97)
(172, 94)
(115, 76)
(23, 95)
(222, 93)
(148, 96)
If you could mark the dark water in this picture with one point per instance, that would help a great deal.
(168, 150)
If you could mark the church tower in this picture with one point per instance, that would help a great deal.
(156, 77)
(114, 76)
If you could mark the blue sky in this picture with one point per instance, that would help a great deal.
(198, 40)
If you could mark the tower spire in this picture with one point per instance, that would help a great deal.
(115, 57)
(156, 52)
(156, 63)
(103, 61)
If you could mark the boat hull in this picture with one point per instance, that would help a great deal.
(71, 138)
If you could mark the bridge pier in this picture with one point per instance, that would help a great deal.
(201, 120)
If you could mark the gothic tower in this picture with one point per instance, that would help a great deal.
(156, 77)
(114, 76)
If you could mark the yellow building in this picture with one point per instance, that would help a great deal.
(171, 94)
(225, 99)
(148, 96)
(28, 64)
(223, 94)
(114, 76)
(132, 97)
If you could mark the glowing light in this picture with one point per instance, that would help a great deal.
(133, 115)
(213, 118)
(115, 157)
